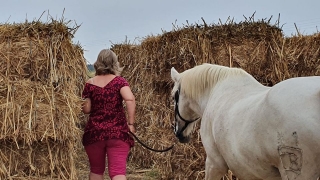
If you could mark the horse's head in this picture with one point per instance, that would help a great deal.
(185, 117)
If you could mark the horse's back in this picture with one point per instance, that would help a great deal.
(296, 102)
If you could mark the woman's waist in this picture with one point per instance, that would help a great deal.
(106, 114)
(107, 109)
(117, 123)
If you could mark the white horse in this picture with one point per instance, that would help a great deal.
(258, 132)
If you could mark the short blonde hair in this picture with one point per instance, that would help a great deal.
(107, 63)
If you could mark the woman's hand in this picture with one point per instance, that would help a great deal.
(132, 128)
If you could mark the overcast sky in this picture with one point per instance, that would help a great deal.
(104, 22)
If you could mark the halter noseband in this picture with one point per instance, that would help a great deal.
(176, 112)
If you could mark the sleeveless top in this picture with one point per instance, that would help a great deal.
(107, 119)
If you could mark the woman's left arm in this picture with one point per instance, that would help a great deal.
(86, 106)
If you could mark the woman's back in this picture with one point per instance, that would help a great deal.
(107, 118)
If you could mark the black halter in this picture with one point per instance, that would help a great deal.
(176, 112)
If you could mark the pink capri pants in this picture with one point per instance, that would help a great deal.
(116, 151)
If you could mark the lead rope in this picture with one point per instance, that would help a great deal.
(151, 149)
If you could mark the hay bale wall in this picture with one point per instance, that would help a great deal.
(42, 74)
(256, 46)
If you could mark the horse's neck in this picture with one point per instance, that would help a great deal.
(201, 103)
(245, 81)
(240, 84)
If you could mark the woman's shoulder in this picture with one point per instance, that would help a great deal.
(90, 81)
(122, 80)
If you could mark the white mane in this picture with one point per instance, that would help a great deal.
(195, 80)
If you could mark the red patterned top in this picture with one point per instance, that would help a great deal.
(107, 119)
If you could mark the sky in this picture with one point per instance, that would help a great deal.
(107, 22)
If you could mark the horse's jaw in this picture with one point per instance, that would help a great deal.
(198, 106)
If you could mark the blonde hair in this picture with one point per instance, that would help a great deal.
(107, 63)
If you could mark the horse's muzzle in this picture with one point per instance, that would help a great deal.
(183, 139)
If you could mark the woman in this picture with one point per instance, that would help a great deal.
(107, 131)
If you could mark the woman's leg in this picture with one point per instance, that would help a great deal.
(93, 176)
(97, 158)
(117, 153)
(119, 177)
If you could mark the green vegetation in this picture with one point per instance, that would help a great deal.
(91, 71)
(153, 174)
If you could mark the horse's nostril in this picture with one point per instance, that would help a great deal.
(183, 139)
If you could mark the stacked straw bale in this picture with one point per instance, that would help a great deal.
(256, 46)
(42, 74)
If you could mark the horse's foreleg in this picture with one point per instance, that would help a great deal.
(215, 168)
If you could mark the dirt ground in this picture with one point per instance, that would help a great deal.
(132, 172)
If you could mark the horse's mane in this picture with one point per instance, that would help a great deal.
(195, 80)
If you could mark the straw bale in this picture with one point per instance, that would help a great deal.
(42, 159)
(256, 46)
(33, 111)
(42, 74)
(302, 54)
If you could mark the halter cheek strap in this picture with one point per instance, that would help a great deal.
(176, 112)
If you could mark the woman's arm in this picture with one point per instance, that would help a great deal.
(86, 106)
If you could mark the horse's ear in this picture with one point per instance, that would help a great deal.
(174, 74)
